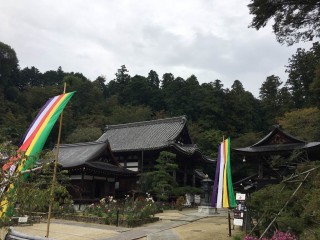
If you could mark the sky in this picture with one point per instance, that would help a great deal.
(207, 38)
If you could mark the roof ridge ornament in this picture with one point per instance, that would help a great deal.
(276, 126)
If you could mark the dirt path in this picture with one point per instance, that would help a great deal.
(215, 228)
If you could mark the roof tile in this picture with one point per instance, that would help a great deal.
(144, 135)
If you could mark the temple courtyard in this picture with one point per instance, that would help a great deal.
(173, 224)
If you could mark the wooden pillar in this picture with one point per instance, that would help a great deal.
(125, 161)
(185, 176)
(141, 162)
(260, 171)
(193, 180)
(93, 188)
(82, 187)
(174, 175)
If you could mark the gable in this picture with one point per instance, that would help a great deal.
(277, 137)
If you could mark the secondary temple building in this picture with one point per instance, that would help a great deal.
(271, 157)
(94, 171)
(112, 164)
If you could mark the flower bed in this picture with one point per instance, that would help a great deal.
(102, 220)
(126, 212)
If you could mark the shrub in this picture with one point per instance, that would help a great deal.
(127, 209)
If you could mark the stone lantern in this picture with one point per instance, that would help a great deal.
(206, 185)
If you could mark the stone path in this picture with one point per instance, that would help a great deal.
(161, 230)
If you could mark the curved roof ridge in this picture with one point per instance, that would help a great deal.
(81, 144)
(277, 129)
(191, 149)
(182, 118)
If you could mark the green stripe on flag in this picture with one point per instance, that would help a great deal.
(232, 199)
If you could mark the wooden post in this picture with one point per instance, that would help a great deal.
(229, 222)
(54, 178)
(117, 217)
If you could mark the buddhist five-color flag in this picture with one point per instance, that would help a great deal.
(223, 194)
(33, 142)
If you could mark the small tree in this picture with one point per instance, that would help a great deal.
(160, 181)
(34, 195)
(30, 195)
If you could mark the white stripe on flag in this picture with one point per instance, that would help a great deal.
(34, 126)
(219, 198)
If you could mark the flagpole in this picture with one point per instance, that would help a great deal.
(54, 178)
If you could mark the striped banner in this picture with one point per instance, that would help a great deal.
(32, 144)
(223, 194)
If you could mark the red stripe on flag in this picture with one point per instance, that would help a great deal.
(27, 143)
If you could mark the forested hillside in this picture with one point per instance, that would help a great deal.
(212, 110)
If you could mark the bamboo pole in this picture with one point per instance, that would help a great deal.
(54, 178)
(285, 205)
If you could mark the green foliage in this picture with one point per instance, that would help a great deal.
(32, 187)
(33, 195)
(315, 86)
(302, 76)
(301, 214)
(129, 210)
(145, 182)
(270, 98)
(241, 109)
(294, 20)
(308, 118)
(246, 139)
(160, 181)
(9, 66)
(125, 114)
(180, 191)
(84, 135)
(209, 141)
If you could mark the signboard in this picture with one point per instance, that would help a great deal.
(240, 196)
(238, 214)
(23, 219)
(238, 222)
(240, 210)
(197, 199)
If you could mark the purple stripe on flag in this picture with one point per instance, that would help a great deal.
(39, 113)
(216, 180)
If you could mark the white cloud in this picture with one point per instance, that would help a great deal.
(208, 38)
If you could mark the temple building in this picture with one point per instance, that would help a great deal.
(274, 156)
(137, 145)
(94, 171)
(113, 164)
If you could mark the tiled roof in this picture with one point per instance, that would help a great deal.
(277, 141)
(277, 132)
(76, 154)
(146, 135)
(278, 148)
(87, 154)
(191, 150)
(109, 167)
